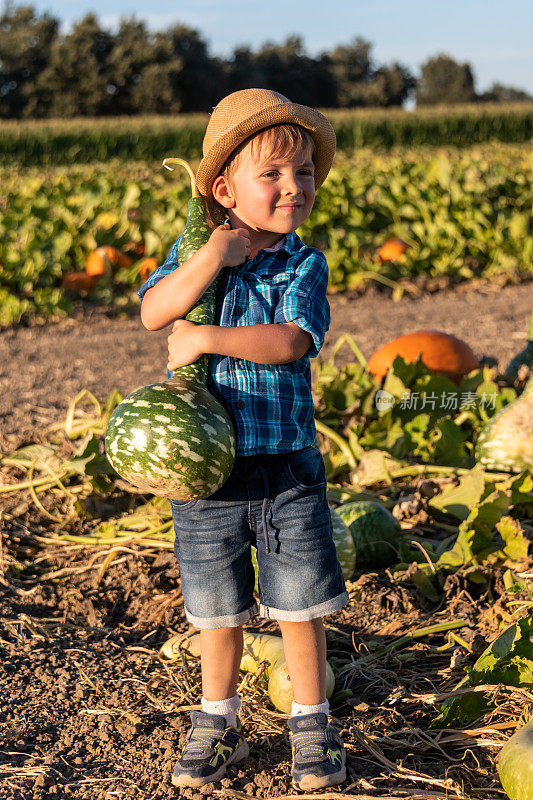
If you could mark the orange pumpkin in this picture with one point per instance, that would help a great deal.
(441, 352)
(146, 267)
(95, 263)
(98, 260)
(79, 282)
(135, 248)
(393, 250)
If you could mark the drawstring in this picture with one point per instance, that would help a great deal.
(266, 492)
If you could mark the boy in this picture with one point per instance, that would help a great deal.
(263, 158)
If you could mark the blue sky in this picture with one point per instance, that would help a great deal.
(494, 36)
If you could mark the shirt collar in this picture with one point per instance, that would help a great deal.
(291, 242)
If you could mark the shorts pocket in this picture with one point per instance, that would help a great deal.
(179, 505)
(305, 468)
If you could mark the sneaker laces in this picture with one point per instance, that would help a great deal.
(200, 742)
(309, 744)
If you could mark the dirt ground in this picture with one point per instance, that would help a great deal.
(43, 367)
(89, 711)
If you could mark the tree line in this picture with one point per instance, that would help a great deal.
(90, 71)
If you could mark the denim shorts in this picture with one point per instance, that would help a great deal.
(277, 503)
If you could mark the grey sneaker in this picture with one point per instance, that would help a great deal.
(210, 747)
(318, 755)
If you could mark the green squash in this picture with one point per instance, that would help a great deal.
(524, 357)
(506, 442)
(374, 531)
(344, 545)
(515, 764)
(173, 438)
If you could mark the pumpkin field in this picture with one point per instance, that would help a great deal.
(424, 412)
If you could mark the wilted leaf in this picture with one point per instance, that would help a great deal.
(374, 467)
(459, 500)
(38, 455)
(516, 545)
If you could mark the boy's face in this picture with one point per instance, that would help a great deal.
(272, 194)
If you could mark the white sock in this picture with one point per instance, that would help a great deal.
(298, 709)
(226, 708)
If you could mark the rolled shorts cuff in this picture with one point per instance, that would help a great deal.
(306, 614)
(229, 621)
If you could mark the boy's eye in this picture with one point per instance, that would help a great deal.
(271, 173)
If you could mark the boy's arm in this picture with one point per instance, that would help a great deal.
(301, 319)
(264, 344)
(173, 296)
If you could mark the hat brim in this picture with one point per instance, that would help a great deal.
(308, 118)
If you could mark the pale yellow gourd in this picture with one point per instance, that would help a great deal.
(258, 649)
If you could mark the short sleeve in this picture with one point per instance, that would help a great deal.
(170, 264)
(304, 301)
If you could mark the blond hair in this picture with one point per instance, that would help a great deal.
(279, 141)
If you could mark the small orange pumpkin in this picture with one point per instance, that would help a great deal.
(135, 248)
(97, 260)
(146, 267)
(79, 282)
(95, 263)
(441, 352)
(393, 250)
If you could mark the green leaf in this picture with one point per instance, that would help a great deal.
(461, 710)
(516, 545)
(459, 500)
(462, 551)
(499, 649)
(487, 513)
(385, 434)
(522, 488)
(90, 461)
(508, 660)
(449, 445)
(416, 433)
(425, 585)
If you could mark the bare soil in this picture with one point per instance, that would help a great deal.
(89, 711)
(43, 367)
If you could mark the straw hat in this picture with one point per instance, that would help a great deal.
(248, 111)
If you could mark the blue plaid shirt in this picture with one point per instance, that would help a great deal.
(271, 405)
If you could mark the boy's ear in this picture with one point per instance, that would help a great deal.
(222, 192)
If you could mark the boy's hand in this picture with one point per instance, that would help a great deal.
(184, 344)
(229, 247)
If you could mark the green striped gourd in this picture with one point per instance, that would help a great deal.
(173, 438)
(375, 532)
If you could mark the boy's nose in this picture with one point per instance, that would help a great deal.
(291, 185)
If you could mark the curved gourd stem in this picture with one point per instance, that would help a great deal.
(182, 163)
